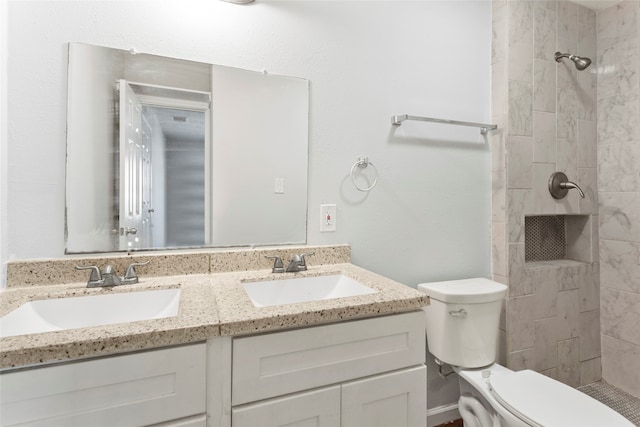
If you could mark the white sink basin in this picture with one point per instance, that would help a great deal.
(81, 312)
(304, 289)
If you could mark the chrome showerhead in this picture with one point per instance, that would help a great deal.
(581, 62)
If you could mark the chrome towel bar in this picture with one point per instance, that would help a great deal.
(484, 127)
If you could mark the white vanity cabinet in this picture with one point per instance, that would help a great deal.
(165, 386)
(367, 372)
(357, 373)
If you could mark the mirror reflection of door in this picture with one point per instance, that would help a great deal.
(146, 237)
(164, 167)
(179, 202)
(131, 168)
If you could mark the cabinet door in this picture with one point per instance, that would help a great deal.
(128, 390)
(318, 408)
(396, 399)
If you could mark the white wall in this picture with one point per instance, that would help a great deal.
(3, 139)
(428, 217)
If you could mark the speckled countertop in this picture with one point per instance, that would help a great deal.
(210, 305)
(197, 319)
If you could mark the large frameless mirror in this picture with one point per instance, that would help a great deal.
(169, 153)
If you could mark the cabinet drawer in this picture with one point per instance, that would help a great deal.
(197, 421)
(284, 362)
(135, 389)
(320, 406)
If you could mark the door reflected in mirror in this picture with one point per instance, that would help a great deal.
(179, 196)
(168, 153)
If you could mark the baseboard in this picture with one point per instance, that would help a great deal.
(442, 414)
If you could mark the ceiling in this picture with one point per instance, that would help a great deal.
(179, 124)
(596, 4)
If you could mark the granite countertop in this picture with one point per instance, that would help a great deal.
(210, 305)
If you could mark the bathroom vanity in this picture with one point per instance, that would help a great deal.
(355, 373)
(223, 361)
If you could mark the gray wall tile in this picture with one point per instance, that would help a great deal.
(589, 334)
(621, 364)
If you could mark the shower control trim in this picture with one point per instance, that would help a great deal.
(559, 186)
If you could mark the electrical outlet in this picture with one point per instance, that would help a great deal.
(328, 218)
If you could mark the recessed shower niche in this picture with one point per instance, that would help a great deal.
(558, 237)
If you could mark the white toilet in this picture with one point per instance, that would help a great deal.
(462, 331)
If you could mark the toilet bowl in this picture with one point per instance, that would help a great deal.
(462, 331)
(497, 396)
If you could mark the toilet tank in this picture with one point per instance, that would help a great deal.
(463, 319)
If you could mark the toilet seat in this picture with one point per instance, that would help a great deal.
(541, 401)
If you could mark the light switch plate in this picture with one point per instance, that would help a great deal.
(278, 186)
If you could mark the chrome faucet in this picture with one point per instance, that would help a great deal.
(294, 264)
(298, 263)
(108, 276)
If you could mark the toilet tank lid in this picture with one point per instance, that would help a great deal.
(471, 291)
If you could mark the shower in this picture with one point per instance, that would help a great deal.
(581, 62)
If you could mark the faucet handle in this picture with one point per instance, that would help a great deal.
(302, 262)
(95, 277)
(130, 275)
(278, 266)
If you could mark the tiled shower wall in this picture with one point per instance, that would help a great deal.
(547, 116)
(619, 193)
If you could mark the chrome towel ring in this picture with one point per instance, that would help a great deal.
(363, 163)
